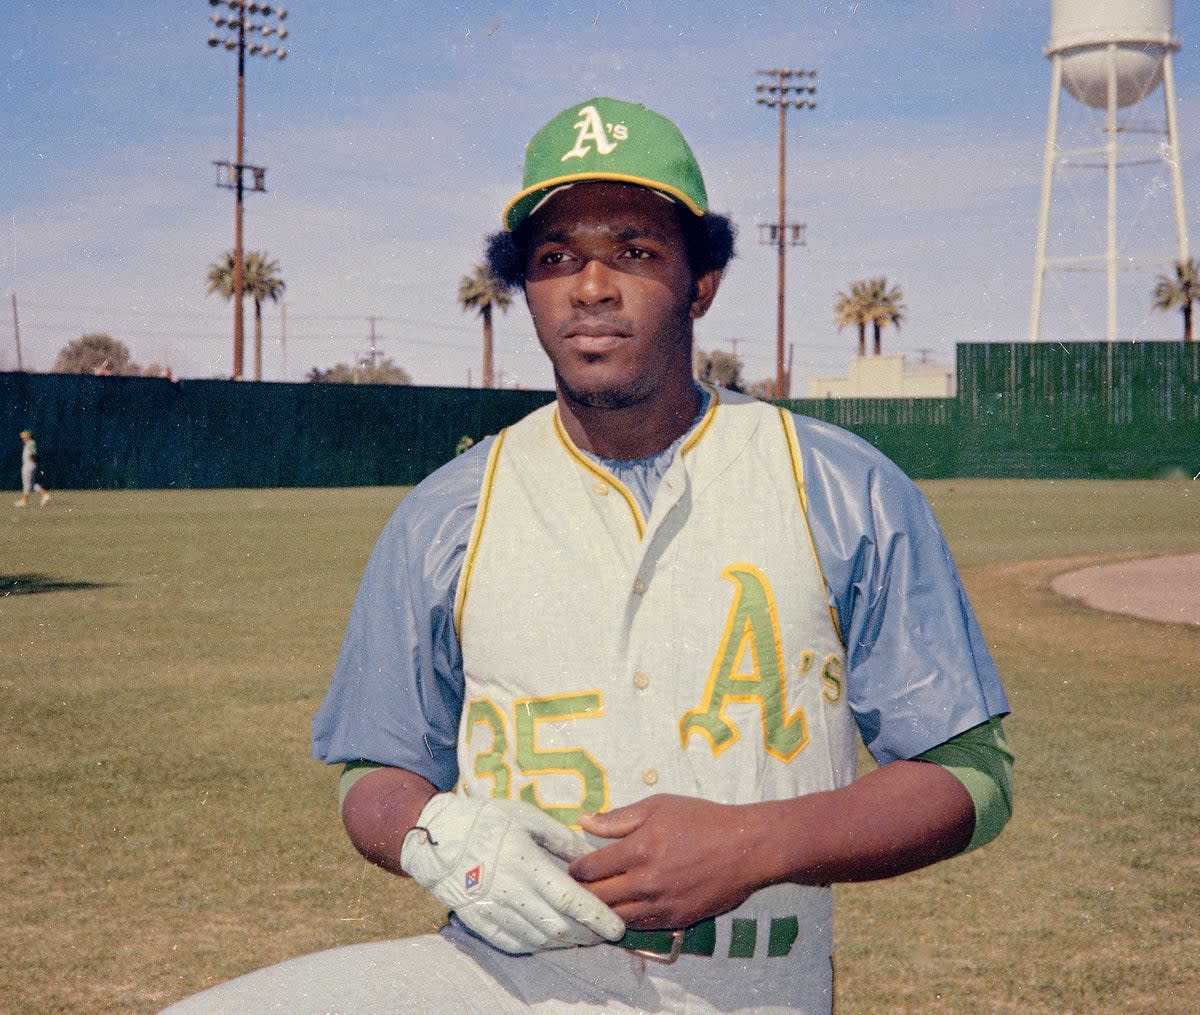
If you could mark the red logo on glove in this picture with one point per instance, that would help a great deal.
(473, 878)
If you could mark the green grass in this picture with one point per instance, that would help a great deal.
(163, 828)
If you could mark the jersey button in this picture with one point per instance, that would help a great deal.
(641, 681)
(601, 489)
(650, 777)
(639, 587)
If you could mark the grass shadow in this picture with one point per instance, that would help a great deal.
(33, 584)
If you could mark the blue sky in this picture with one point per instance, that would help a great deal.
(393, 133)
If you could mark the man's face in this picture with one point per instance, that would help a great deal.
(611, 294)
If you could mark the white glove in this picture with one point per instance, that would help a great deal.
(501, 866)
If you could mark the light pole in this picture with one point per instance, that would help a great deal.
(786, 88)
(17, 333)
(229, 174)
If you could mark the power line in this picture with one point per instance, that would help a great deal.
(406, 330)
(191, 315)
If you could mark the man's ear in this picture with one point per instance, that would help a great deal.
(706, 291)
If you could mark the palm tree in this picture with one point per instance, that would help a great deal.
(853, 308)
(481, 291)
(1180, 291)
(884, 308)
(260, 278)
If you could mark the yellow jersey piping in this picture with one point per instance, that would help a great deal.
(706, 421)
(793, 444)
(599, 473)
(485, 497)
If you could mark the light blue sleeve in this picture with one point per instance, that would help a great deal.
(918, 668)
(919, 671)
(397, 689)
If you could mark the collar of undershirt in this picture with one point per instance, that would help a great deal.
(642, 475)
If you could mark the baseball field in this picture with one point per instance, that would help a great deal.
(164, 829)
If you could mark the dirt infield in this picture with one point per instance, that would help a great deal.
(1155, 588)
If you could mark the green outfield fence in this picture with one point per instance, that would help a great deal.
(1047, 410)
(918, 434)
(1050, 410)
(148, 433)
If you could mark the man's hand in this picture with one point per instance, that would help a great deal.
(680, 859)
(501, 866)
(677, 860)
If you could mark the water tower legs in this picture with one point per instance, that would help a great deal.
(1182, 252)
(1110, 165)
(1048, 164)
(1110, 156)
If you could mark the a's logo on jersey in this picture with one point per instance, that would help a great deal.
(473, 878)
(749, 668)
(592, 130)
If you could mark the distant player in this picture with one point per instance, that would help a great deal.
(605, 678)
(29, 472)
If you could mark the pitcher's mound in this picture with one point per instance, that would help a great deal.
(1158, 588)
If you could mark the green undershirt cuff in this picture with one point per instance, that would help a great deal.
(981, 760)
(351, 773)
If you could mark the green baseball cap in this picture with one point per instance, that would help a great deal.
(607, 139)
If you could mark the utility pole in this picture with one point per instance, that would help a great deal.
(373, 356)
(779, 94)
(283, 339)
(365, 363)
(17, 333)
(230, 174)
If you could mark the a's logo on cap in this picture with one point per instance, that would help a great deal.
(473, 878)
(591, 129)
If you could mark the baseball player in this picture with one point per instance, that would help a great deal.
(604, 681)
(29, 471)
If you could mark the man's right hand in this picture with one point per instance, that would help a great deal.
(501, 866)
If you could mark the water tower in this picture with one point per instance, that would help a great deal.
(1111, 56)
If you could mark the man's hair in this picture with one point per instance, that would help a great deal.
(709, 240)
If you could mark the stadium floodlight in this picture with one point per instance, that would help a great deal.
(232, 174)
(785, 88)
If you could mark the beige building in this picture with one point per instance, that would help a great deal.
(886, 377)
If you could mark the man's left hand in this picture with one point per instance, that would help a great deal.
(676, 860)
